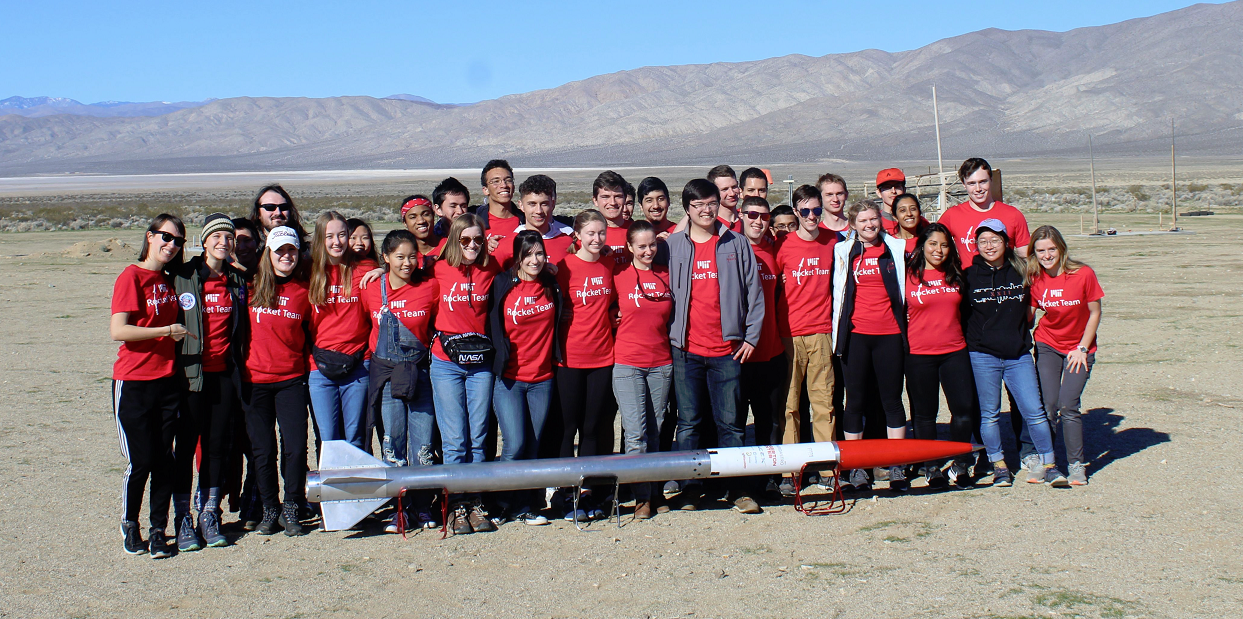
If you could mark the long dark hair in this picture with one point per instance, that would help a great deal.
(392, 241)
(525, 243)
(353, 224)
(155, 226)
(294, 221)
(916, 264)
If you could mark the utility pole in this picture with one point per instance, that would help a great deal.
(789, 181)
(1096, 218)
(1173, 180)
(942, 199)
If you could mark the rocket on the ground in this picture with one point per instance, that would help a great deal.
(350, 483)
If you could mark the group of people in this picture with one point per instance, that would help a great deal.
(506, 332)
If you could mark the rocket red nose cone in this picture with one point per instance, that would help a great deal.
(870, 453)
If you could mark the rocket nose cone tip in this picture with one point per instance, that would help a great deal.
(870, 453)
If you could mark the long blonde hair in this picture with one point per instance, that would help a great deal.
(320, 263)
(1065, 264)
(452, 253)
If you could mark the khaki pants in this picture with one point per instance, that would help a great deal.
(810, 357)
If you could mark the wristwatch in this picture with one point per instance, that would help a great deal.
(1081, 348)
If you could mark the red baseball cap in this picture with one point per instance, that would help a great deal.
(890, 175)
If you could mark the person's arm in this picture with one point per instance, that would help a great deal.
(121, 331)
(370, 276)
(754, 291)
(1077, 358)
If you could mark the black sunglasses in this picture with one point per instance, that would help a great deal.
(272, 207)
(179, 241)
(808, 212)
(753, 215)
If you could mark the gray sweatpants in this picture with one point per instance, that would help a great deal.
(1060, 390)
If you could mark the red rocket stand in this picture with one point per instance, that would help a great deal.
(836, 503)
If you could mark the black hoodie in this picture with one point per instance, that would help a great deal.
(996, 305)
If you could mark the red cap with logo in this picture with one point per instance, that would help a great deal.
(890, 175)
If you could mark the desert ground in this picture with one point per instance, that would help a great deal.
(1156, 534)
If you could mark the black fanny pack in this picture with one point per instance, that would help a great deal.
(336, 365)
(468, 349)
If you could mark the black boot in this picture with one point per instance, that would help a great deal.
(289, 519)
(268, 525)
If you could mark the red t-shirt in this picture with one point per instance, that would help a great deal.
(891, 226)
(770, 344)
(341, 323)
(1065, 300)
(667, 226)
(934, 324)
(555, 249)
(646, 303)
(529, 322)
(148, 298)
(703, 334)
(412, 304)
(278, 349)
(587, 327)
(736, 226)
(806, 267)
(217, 310)
(616, 239)
(963, 219)
(873, 314)
(503, 227)
(463, 304)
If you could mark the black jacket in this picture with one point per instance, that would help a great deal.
(996, 306)
(501, 285)
(889, 275)
(188, 282)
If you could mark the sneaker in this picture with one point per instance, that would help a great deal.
(394, 523)
(1002, 476)
(1078, 474)
(828, 484)
(575, 514)
(881, 474)
(936, 479)
(209, 528)
(787, 487)
(1034, 468)
(134, 543)
(1055, 478)
(897, 480)
(252, 514)
(672, 488)
(459, 520)
(158, 544)
(423, 519)
(689, 501)
(531, 519)
(959, 475)
(983, 466)
(747, 505)
(859, 480)
(479, 520)
(289, 519)
(596, 513)
(267, 525)
(187, 537)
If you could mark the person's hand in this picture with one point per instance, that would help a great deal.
(178, 332)
(663, 235)
(744, 352)
(494, 241)
(550, 268)
(1076, 361)
(370, 276)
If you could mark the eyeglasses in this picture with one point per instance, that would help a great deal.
(497, 182)
(467, 241)
(808, 212)
(713, 205)
(272, 207)
(989, 242)
(753, 215)
(179, 241)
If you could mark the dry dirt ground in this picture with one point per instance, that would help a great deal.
(1156, 534)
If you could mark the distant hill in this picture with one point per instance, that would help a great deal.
(1002, 93)
(35, 107)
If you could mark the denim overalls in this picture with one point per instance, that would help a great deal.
(408, 423)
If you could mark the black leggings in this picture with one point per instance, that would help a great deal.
(764, 390)
(267, 405)
(587, 409)
(876, 358)
(146, 415)
(210, 424)
(951, 372)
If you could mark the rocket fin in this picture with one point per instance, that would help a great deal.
(340, 515)
(343, 455)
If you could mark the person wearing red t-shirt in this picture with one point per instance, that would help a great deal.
(869, 329)
(274, 380)
(538, 201)
(420, 221)
(523, 312)
(500, 215)
(340, 329)
(726, 182)
(462, 387)
(805, 320)
(145, 391)
(764, 374)
(653, 196)
(401, 307)
(1069, 294)
(908, 221)
(833, 197)
(585, 373)
(963, 219)
(608, 195)
(212, 297)
(642, 365)
(938, 360)
(718, 314)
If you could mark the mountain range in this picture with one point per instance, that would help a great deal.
(1001, 94)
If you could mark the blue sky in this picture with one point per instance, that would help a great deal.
(458, 51)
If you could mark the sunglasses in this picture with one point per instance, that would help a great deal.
(179, 241)
(754, 215)
(272, 207)
(467, 241)
(808, 212)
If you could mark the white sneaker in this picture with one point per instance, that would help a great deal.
(393, 524)
(531, 519)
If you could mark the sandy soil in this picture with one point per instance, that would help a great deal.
(1155, 535)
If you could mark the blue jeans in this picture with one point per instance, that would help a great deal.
(340, 406)
(1020, 378)
(709, 386)
(521, 412)
(463, 399)
(408, 425)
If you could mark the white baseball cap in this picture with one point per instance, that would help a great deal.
(281, 236)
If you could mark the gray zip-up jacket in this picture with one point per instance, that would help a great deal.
(742, 297)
